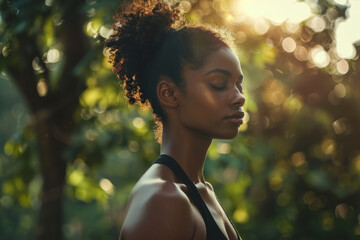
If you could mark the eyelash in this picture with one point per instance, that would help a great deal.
(223, 88)
(218, 88)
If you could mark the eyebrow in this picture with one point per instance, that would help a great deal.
(223, 71)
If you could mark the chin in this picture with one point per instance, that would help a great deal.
(229, 135)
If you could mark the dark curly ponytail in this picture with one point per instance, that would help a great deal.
(149, 40)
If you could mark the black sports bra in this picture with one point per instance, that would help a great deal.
(213, 231)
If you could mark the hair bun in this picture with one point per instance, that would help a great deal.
(138, 32)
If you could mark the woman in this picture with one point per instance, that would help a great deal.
(193, 82)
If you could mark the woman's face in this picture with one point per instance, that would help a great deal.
(212, 94)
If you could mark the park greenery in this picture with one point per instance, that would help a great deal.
(72, 148)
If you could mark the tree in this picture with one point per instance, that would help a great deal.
(45, 53)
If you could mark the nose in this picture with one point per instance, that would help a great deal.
(238, 98)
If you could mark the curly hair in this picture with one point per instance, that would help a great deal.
(150, 39)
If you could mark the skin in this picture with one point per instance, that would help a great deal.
(159, 206)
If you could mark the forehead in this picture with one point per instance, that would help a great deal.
(223, 58)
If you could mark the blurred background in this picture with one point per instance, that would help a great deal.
(72, 148)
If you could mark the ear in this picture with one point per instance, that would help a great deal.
(168, 93)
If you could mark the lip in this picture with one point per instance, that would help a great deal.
(238, 114)
(236, 117)
(237, 121)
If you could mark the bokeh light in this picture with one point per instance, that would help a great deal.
(107, 186)
(261, 26)
(53, 55)
(319, 56)
(276, 11)
(294, 164)
(342, 66)
(301, 53)
(42, 88)
(293, 12)
(317, 24)
(185, 6)
(289, 44)
(347, 31)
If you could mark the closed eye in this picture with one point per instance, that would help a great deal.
(217, 88)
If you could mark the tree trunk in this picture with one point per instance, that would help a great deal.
(53, 113)
(52, 144)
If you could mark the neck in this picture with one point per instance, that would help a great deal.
(188, 148)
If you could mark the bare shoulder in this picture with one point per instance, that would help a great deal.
(158, 209)
(209, 186)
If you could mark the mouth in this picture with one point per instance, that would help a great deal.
(236, 118)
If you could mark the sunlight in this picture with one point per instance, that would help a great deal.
(261, 26)
(301, 53)
(76, 177)
(328, 146)
(347, 32)
(53, 55)
(223, 148)
(105, 31)
(342, 2)
(340, 90)
(340, 125)
(42, 88)
(342, 66)
(107, 186)
(288, 44)
(290, 10)
(317, 24)
(320, 57)
(185, 6)
(345, 35)
(138, 122)
(241, 215)
(293, 12)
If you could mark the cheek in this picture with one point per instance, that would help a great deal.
(208, 101)
(203, 106)
(205, 113)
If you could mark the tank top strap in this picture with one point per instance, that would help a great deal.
(212, 229)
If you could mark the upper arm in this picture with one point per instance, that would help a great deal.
(161, 215)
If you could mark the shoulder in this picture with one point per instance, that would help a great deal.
(209, 186)
(158, 209)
